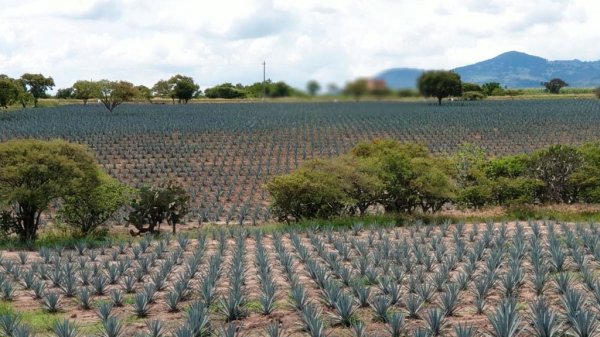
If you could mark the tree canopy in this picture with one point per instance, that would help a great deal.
(33, 173)
(439, 84)
(114, 93)
(37, 85)
(9, 92)
(313, 87)
(84, 90)
(356, 89)
(554, 85)
(183, 88)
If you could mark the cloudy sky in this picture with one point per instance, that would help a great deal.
(331, 41)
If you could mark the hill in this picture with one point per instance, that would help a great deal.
(513, 69)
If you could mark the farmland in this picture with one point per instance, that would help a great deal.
(363, 281)
(224, 153)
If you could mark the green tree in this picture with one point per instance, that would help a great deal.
(37, 85)
(84, 90)
(439, 84)
(156, 205)
(466, 86)
(554, 85)
(164, 89)
(491, 88)
(226, 90)
(306, 194)
(65, 93)
(33, 173)
(313, 87)
(183, 88)
(554, 166)
(9, 92)
(114, 93)
(93, 206)
(475, 189)
(144, 93)
(356, 89)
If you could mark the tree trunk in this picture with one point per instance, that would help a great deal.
(439, 100)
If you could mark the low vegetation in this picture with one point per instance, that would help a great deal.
(407, 178)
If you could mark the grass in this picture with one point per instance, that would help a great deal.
(38, 320)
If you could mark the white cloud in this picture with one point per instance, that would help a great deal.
(332, 41)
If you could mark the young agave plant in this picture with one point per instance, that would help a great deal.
(544, 322)
(436, 320)
(141, 304)
(274, 330)
(381, 305)
(396, 324)
(414, 304)
(449, 299)
(505, 321)
(104, 311)
(112, 327)
(464, 330)
(65, 328)
(344, 310)
(84, 296)
(585, 324)
(52, 302)
(155, 328)
(116, 297)
(229, 330)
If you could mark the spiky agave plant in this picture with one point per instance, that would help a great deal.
(450, 299)
(155, 328)
(395, 324)
(505, 320)
(84, 296)
(436, 320)
(344, 310)
(9, 323)
(52, 302)
(544, 322)
(464, 330)
(584, 324)
(312, 321)
(112, 327)
(65, 328)
(274, 330)
(413, 304)
(104, 310)
(573, 302)
(563, 281)
(141, 304)
(381, 305)
(197, 319)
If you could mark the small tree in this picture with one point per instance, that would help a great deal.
(554, 166)
(95, 205)
(183, 88)
(37, 85)
(156, 205)
(144, 93)
(64, 93)
(84, 90)
(32, 174)
(491, 88)
(357, 88)
(597, 92)
(113, 94)
(9, 92)
(313, 87)
(439, 84)
(164, 89)
(554, 85)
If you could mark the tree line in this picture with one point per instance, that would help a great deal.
(407, 178)
(42, 178)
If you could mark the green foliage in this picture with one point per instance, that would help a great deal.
(84, 90)
(306, 194)
(37, 85)
(183, 88)
(439, 84)
(491, 88)
(9, 91)
(65, 93)
(356, 89)
(473, 95)
(155, 205)
(114, 93)
(95, 205)
(313, 87)
(33, 173)
(554, 166)
(597, 92)
(226, 90)
(554, 85)
(144, 92)
(466, 87)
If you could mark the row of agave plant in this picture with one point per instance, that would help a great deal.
(412, 277)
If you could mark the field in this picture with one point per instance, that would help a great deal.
(225, 153)
(382, 280)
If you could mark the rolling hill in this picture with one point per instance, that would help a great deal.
(513, 69)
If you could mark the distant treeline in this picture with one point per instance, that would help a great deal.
(406, 178)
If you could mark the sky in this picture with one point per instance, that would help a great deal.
(330, 41)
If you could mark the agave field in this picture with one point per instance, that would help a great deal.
(224, 153)
(502, 280)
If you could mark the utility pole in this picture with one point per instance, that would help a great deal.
(264, 64)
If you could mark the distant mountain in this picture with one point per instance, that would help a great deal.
(513, 69)
(400, 78)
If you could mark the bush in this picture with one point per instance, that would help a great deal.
(473, 96)
(597, 92)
